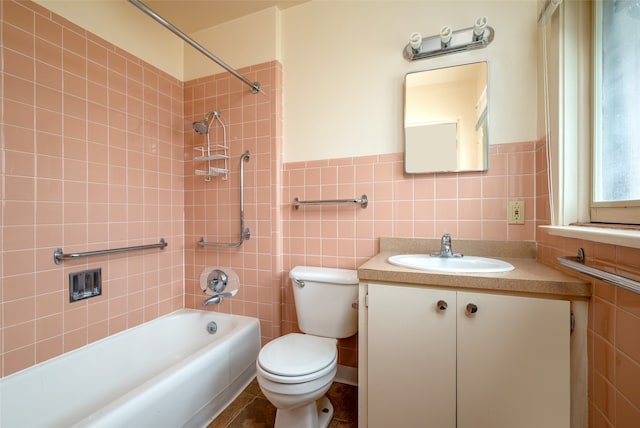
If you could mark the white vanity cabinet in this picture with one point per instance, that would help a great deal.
(437, 357)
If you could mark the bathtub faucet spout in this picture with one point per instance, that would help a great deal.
(216, 299)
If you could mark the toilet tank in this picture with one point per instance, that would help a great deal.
(323, 298)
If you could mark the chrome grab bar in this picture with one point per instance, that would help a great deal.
(59, 255)
(577, 264)
(244, 233)
(363, 201)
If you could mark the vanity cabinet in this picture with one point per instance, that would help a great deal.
(438, 357)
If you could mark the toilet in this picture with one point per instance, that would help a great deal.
(296, 370)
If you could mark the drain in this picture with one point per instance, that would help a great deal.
(212, 327)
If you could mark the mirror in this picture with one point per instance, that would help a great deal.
(445, 120)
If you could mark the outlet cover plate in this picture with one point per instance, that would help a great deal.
(515, 212)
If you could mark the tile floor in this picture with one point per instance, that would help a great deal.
(252, 410)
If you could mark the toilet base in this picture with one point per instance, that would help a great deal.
(316, 414)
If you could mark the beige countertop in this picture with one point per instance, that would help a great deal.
(529, 275)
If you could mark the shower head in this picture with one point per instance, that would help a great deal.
(202, 126)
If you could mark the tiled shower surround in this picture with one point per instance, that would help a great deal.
(97, 152)
(91, 159)
(212, 208)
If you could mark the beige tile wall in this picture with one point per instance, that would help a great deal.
(91, 160)
(254, 123)
(614, 322)
(613, 350)
(467, 205)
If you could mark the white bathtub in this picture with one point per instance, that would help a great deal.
(167, 373)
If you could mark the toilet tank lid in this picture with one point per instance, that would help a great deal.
(320, 274)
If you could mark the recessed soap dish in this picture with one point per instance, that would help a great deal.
(85, 284)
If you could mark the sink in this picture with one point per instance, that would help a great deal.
(466, 264)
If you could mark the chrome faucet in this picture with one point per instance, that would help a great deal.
(445, 248)
(216, 299)
(218, 282)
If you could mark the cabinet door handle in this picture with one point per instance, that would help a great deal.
(472, 308)
(441, 306)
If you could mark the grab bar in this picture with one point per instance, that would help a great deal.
(244, 233)
(363, 201)
(59, 255)
(577, 264)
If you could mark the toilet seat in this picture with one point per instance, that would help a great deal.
(297, 358)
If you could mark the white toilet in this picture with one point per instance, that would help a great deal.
(296, 370)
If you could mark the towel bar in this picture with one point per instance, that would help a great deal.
(577, 264)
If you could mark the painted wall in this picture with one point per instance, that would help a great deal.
(343, 65)
(252, 39)
(124, 25)
(344, 71)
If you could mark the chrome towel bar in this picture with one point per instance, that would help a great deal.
(363, 201)
(59, 255)
(577, 264)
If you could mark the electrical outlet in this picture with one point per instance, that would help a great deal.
(516, 212)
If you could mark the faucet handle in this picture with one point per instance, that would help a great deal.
(218, 282)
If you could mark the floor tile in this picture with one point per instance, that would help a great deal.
(252, 410)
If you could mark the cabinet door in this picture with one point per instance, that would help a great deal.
(513, 362)
(411, 357)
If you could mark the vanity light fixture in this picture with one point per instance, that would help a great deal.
(447, 42)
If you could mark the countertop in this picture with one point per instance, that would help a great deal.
(528, 277)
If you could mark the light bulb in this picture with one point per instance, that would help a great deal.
(415, 40)
(478, 28)
(445, 36)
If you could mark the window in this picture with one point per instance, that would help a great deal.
(616, 154)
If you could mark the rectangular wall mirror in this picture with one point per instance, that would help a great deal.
(445, 120)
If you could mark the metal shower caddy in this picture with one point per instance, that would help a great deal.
(212, 152)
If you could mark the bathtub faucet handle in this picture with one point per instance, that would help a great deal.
(218, 282)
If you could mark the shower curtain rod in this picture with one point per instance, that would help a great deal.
(255, 86)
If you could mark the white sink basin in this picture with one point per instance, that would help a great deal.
(466, 264)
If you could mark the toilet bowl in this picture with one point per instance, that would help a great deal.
(295, 371)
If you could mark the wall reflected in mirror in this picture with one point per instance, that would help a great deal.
(445, 120)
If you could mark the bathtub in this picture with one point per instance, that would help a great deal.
(167, 373)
